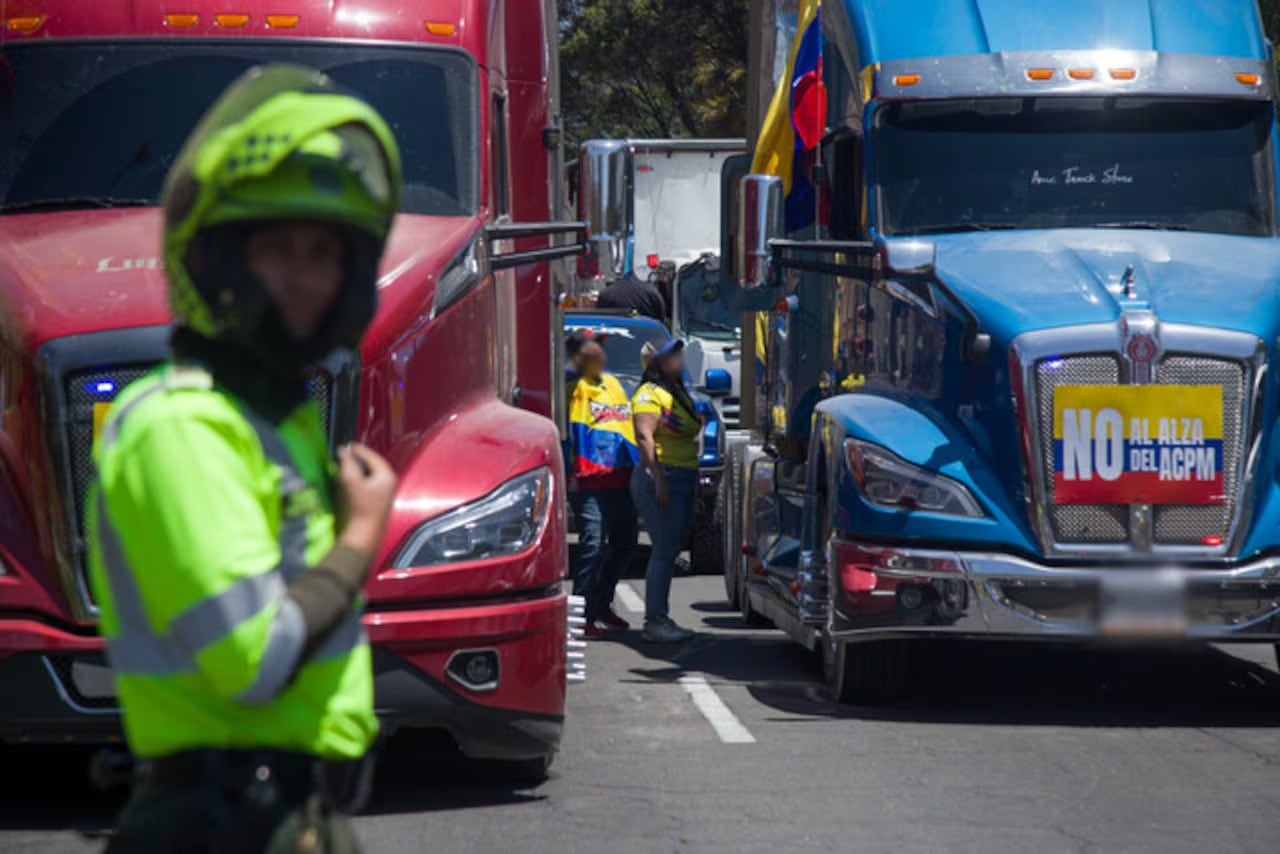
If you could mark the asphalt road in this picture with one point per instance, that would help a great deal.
(1004, 748)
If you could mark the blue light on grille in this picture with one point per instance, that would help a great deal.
(101, 387)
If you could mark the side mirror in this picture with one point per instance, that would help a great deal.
(760, 221)
(910, 257)
(604, 202)
(718, 381)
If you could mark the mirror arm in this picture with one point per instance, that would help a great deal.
(551, 230)
(976, 344)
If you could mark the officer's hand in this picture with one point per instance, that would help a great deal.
(368, 488)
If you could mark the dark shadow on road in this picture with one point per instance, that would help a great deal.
(1007, 684)
(424, 772)
(47, 788)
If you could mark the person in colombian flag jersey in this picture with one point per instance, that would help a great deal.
(602, 452)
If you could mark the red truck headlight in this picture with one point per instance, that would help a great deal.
(505, 522)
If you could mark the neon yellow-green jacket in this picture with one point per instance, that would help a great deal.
(201, 514)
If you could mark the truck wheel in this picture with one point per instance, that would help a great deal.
(706, 544)
(864, 673)
(731, 541)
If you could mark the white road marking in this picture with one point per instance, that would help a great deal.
(723, 721)
(630, 598)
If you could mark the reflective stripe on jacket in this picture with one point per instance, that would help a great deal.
(202, 514)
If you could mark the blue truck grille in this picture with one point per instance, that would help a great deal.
(1171, 524)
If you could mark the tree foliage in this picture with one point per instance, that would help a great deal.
(653, 68)
(669, 68)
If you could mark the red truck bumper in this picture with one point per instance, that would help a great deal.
(57, 687)
(508, 705)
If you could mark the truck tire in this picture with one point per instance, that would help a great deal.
(865, 673)
(729, 514)
(706, 543)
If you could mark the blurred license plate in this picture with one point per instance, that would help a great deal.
(1143, 604)
(99, 418)
(92, 681)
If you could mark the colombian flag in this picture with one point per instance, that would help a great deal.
(601, 437)
(796, 120)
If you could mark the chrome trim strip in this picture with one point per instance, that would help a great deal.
(990, 75)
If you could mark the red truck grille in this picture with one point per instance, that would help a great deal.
(82, 389)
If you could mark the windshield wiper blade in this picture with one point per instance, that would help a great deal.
(1145, 224)
(75, 202)
(944, 227)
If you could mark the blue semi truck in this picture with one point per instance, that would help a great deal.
(1017, 367)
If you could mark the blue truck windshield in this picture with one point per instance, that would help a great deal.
(1005, 163)
(98, 123)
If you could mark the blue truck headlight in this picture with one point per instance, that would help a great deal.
(887, 480)
(504, 522)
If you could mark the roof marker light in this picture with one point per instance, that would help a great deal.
(1080, 73)
(181, 20)
(1123, 73)
(232, 20)
(440, 28)
(282, 22)
(1248, 79)
(1039, 73)
(906, 79)
(25, 24)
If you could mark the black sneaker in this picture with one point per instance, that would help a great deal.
(665, 630)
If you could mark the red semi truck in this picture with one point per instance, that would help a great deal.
(465, 608)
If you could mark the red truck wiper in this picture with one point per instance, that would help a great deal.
(73, 203)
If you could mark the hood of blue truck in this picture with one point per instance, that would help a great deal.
(1025, 280)
(1022, 281)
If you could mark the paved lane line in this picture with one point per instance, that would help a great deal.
(723, 721)
(630, 598)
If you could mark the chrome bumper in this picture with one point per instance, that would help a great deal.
(879, 591)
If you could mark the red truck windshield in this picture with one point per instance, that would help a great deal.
(94, 123)
(973, 165)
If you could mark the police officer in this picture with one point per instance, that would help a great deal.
(227, 550)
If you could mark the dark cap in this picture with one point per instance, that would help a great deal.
(652, 349)
(578, 337)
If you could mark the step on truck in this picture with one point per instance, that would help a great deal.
(464, 605)
(1020, 353)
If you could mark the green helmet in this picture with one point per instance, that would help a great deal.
(282, 143)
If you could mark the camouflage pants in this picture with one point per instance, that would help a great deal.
(162, 819)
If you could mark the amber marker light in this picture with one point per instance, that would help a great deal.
(1039, 73)
(181, 20)
(232, 20)
(440, 28)
(24, 24)
(906, 79)
(1123, 73)
(1248, 79)
(1080, 73)
(282, 22)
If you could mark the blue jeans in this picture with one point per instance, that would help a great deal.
(668, 530)
(606, 537)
